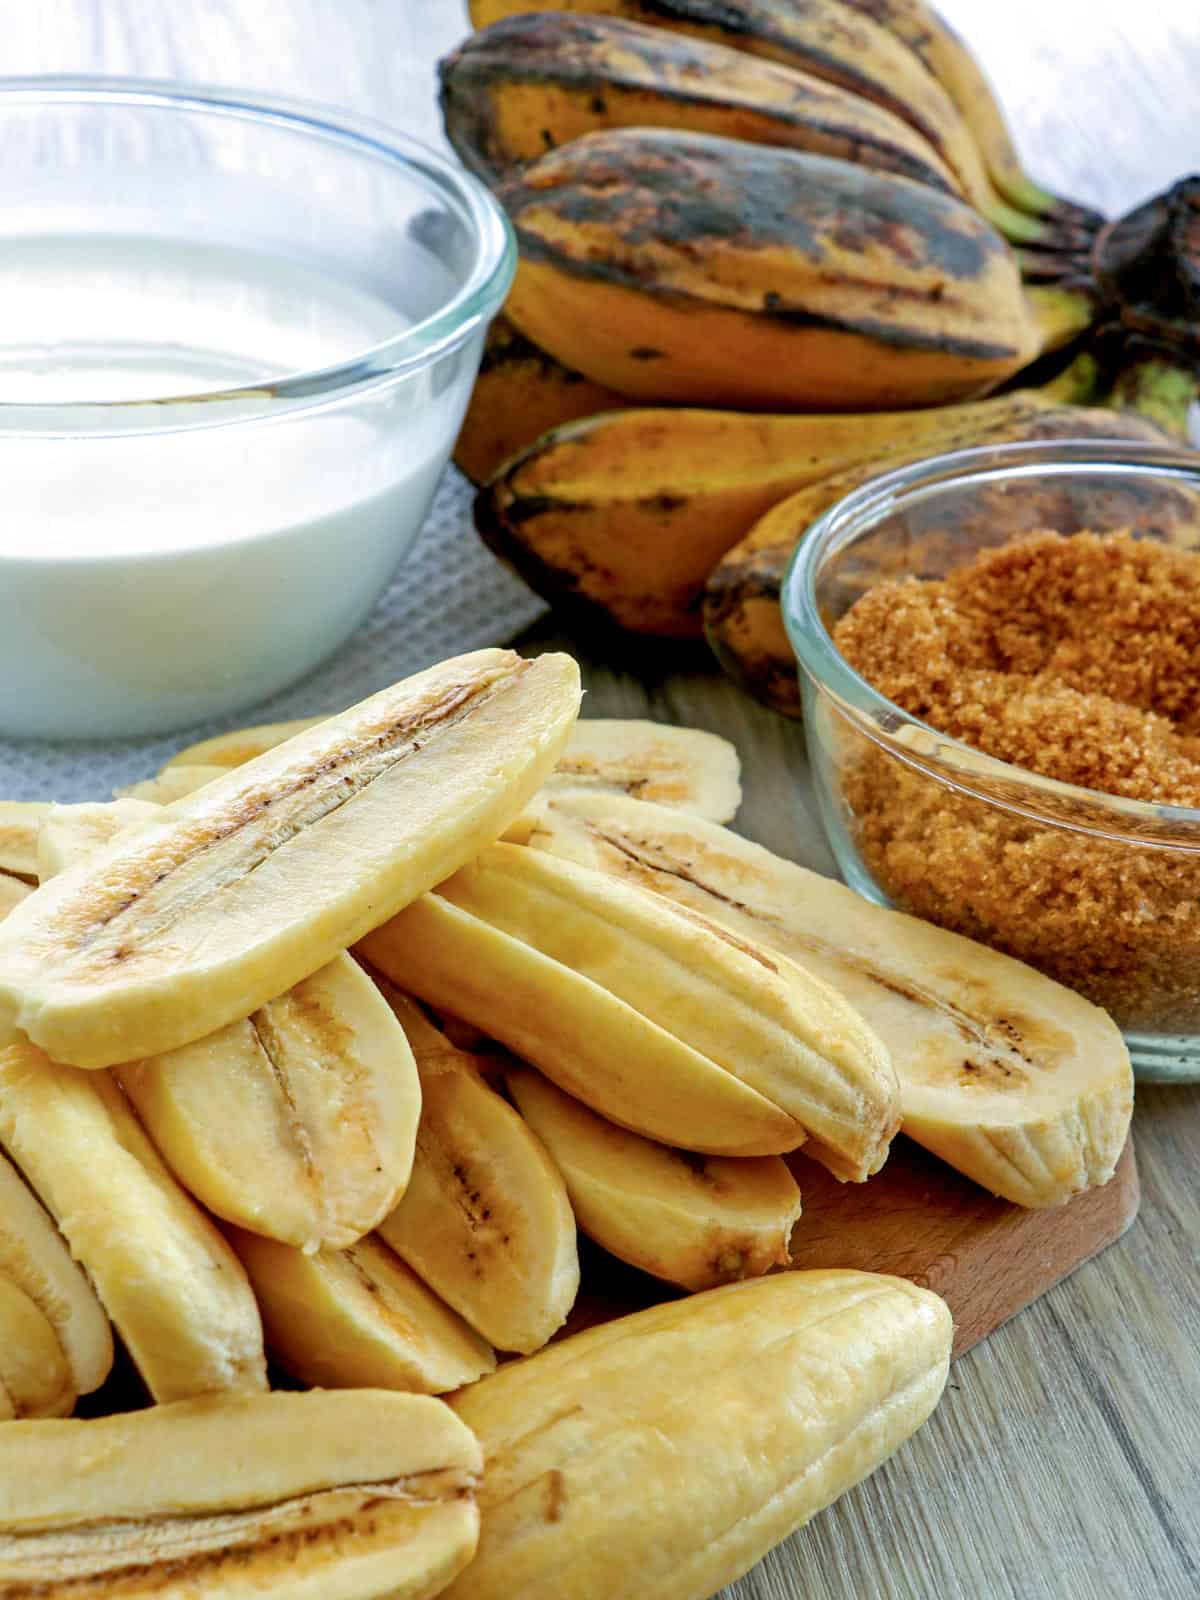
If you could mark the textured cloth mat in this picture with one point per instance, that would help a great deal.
(448, 595)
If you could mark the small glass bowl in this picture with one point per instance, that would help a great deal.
(308, 293)
(1099, 892)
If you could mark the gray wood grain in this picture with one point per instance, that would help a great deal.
(1062, 1464)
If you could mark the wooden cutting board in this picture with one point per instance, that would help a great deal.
(920, 1220)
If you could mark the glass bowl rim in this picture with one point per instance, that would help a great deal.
(945, 759)
(416, 348)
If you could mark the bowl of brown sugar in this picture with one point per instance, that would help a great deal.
(1000, 658)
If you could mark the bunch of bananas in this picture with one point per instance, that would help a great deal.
(807, 213)
(324, 1045)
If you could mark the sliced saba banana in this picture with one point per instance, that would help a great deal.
(358, 1319)
(652, 1015)
(170, 1283)
(19, 823)
(172, 783)
(485, 1219)
(697, 1221)
(69, 834)
(684, 767)
(240, 745)
(35, 1379)
(259, 879)
(298, 1122)
(34, 1256)
(357, 1495)
(658, 1457)
(1020, 1083)
(12, 892)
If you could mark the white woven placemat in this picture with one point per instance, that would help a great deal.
(449, 595)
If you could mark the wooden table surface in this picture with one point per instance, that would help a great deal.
(1063, 1461)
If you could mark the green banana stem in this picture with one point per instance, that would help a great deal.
(1079, 384)
(1161, 387)
(1062, 311)
(1019, 228)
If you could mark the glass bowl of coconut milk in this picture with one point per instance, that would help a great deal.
(237, 337)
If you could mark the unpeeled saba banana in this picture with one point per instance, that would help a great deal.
(35, 1380)
(262, 877)
(699, 270)
(946, 56)
(520, 393)
(485, 1220)
(358, 1319)
(170, 1283)
(1021, 1084)
(697, 1221)
(622, 517)
(348, 1496)
(826, 40)
(741, 612)
(660, 1456)
(651, 1014)
(35, 1259)
(535, 81)
(298, 1122)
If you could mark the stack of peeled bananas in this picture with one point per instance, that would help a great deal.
(323, 1043)
(768, 249)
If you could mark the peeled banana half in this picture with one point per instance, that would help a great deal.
(170, 1283)
(486, 1220)
(1021, 1084)
(34, 1258)
(358, 1318)
(298, 1122)
(654, 1016)
(660, 1456)
(35, 1380)
(349, 1496)
(12, 891)
(692, 1220)
(262, 877)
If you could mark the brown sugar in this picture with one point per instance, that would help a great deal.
(1076, 658)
